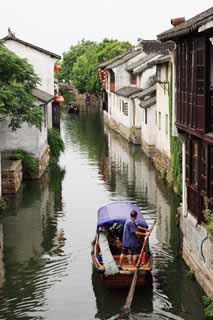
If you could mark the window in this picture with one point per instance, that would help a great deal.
(156, 118)
(158, 73)
(133, 78)
(125, 108)
(159, 120)
(166, 124)
(145, 116)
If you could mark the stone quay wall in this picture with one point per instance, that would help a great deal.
(197, 251)
(12, 175)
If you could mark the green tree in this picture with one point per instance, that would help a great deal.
(17, 79)
(71, 56)
(81, 62)
(84, 75)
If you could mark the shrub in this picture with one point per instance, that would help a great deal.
(29, 163)
(56, 144)
(208, 303)
(3, 205)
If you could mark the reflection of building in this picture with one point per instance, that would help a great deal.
(32, 220)
(134, 177)
(24, 231)
(1, 257)
(32, 246)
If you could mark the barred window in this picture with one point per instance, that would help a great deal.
(125, 108)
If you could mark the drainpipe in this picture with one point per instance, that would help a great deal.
(133, 122)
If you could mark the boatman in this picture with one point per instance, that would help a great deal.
(130, 241)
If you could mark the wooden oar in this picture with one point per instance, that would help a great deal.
(126, 308)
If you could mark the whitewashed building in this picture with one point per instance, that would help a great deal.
(121, 112)
(30, 138)
(138, 106)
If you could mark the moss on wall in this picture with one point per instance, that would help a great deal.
(175, 146)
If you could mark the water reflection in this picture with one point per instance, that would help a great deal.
(32, 247)
(48, 229)
(131, 176)
(110, 301)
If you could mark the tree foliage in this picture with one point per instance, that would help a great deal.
(71, 56)
(56, 144)
(81, 62)
(17, 79)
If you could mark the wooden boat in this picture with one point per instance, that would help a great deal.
(111, 219)
(73, 107)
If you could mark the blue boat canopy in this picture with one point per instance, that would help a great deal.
(119, 211)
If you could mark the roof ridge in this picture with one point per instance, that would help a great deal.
(14, 38)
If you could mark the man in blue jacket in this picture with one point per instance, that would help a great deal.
(130, 241)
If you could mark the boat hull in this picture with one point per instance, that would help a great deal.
(123, 279)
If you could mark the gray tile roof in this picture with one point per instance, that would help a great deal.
(150, 91)
(105, 63)
(152, 60)
(49, 53)
(140, 62)
(123, 59)
(42, 95)
(163, 59)
(148, 102)
(187, 27)
(127, 91)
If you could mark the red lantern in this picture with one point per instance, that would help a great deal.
(59, 99)
(57, 67)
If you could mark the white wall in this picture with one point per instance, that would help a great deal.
(122, 77)
(43, 64)
(148, 130)
(144, 81)
(162, 106)
(115, 110)
(138, 114)
(30, 139)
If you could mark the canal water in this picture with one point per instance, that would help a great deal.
(46, 271)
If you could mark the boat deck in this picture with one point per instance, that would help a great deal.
(129, 266)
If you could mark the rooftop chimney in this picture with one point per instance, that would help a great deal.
(176, 21)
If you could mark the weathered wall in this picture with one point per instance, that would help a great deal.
(197, 249)
(11, 176)
(30, 139)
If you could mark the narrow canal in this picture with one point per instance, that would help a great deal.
(46, 272)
